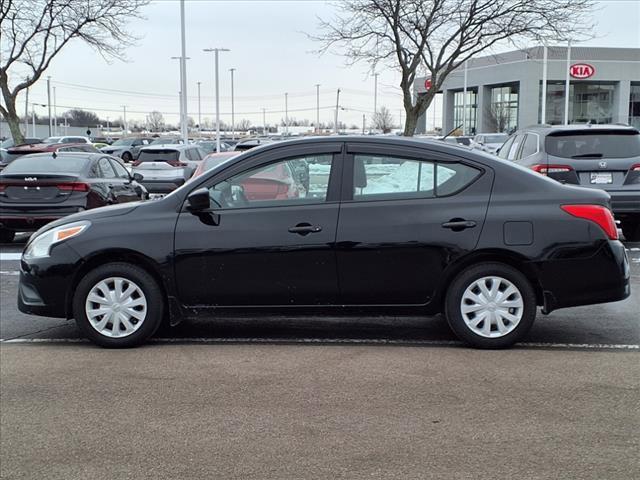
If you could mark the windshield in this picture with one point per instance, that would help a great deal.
(594, 144)
(123, 141)
(46, 164)
(158, 156)
(495, 138)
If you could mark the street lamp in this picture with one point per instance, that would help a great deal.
(216, 50)
(233, 122)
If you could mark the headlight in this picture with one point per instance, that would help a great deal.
(41, 245)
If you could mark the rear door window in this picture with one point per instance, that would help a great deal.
(594, 144)
(530, 146)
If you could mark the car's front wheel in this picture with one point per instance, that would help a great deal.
(490, 305)
(118, 305)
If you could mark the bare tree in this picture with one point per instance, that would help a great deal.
(244, 125)
(155, 121)
(498, 114)
(434, 37)
(35, 31)
(382, 120)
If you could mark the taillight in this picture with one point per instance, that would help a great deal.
(635, 168)
(2, 187)
(176, 163)
(73, 187)
(547, 169)
(597, 214)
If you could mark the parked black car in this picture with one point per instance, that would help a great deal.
(39, 188)
(387, 223)
(605, 157)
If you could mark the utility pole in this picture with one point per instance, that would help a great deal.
(233, 121)
(49, 101)
(33, 120)
(183, 77)
(567, 85)
(375, 94)
(317, 108)
(216, 51)
(363, 123)
(124, 119)
(199, 113)
(286, 113)
(26, 114)
(335, 125)
(55, 113)
(543, 117)
(264, 122)
(464, 101)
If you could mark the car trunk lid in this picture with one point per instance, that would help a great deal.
(39, 188)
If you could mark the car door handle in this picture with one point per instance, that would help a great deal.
(305, 229)
(458, 224)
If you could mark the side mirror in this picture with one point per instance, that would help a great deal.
(198, 200)
(137, 177)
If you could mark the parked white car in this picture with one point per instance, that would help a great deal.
(67, 139)
(489, 142)
(166, 167)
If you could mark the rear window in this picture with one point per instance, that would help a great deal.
(46, 164)
(495, 138)
(594, 144)
(158, 156)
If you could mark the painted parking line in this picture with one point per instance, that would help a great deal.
(340, 341)
(9, 272)
(10, 256)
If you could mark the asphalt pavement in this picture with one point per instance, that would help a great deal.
(344, 398)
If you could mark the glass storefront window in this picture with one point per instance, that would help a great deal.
(503, 110)
(634, 105)
(458, 107)
(588, 103)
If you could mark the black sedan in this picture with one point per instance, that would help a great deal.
(386, 223)
(37, 189)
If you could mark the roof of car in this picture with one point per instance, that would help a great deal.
(42, 147)
(169, 146)
(546, 129)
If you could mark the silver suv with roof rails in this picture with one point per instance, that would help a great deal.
(605, 157)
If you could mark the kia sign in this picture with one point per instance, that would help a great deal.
(427, 84)
(581, 70)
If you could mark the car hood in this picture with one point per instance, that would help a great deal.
(93, 214)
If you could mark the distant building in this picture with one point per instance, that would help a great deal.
(504, 91)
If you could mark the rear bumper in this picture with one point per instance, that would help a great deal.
(163, 186)
(625, 202)
(30, 221)
(602, 278)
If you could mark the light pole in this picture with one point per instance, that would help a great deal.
(124, 119)
(464, 101)
(180, 93)
(286, 113)
(317, 108)
(183, 77)
(216, 51)
(264, 122)
(543, 116)
(26, 114)
(567, 84)
(55, 114)
(49, 101)
(375, 94)
(199, 113)
(335, 126)
(233, 122)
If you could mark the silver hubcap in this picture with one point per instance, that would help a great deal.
(492, 307)
(116, 307)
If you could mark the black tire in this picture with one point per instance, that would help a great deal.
(148, 285)
(631, 231)
(6, 236)
(465, 279)
(126, 157)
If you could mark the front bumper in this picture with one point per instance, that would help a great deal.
(45, 283)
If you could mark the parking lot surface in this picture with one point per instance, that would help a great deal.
(287, 397)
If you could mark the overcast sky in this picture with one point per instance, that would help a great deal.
(271, 54)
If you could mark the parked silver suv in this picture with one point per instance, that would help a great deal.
(166, 167)
(127, 148)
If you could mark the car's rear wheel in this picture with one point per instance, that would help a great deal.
(490, 305)
(118, 305)
(126, 157)
(631, 231)
(6, 235)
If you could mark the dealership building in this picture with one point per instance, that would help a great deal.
(504, 91)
